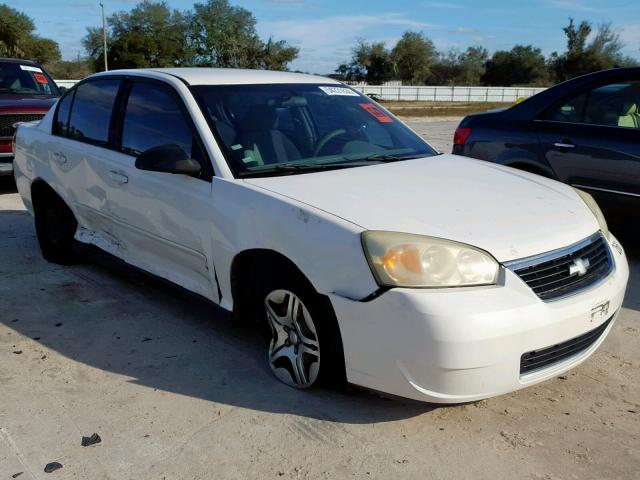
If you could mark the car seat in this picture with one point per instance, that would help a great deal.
(630, 117)
(261, 142)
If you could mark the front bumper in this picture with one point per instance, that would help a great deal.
(465, 344)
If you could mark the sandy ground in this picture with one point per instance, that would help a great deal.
(176, 392)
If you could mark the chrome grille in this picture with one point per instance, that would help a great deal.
(566, 271)
(7, 121)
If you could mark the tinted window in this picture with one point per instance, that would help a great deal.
(152, 118)
(568, 111)
(616, 105)
(91, 112)
(261, 126)
(26, 79)
(61, 125)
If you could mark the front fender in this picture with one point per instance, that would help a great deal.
(325, 248)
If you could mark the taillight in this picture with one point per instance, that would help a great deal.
(461, 135)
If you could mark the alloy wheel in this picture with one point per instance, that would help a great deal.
(294, 351)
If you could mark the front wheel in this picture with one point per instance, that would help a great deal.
(305, 347)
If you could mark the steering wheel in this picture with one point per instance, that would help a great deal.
(328, 137)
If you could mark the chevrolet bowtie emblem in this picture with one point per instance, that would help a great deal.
(579, 267)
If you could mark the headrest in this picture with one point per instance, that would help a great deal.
(259, 118)
(629, 108)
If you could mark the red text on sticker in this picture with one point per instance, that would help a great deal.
(376, 112)
(40, 78)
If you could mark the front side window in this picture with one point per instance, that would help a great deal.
(615, 105)
(569, 111)
(91, 111)
(265, 129)
(153, 118)
(22, 79)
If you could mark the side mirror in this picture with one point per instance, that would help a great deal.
(167, 159)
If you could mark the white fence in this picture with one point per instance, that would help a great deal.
(66, 83)
(449, 94)
(423, 93)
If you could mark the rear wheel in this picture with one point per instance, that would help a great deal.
(55, 228)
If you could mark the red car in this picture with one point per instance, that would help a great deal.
(26, 94)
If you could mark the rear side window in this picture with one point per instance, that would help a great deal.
(61, 124)
(152, 118)
(91, 112)
(615, 105)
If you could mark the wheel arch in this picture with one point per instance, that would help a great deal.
(247, 267)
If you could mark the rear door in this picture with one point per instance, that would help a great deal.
(163, 219)
(592, 139)
(82, 155)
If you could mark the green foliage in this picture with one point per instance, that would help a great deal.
(370, 61)
(214, 34)
(69, 70)
(459, 68)
(18, 40)
(522, 65)
(602, 52)
(413, 56)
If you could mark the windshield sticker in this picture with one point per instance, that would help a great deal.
(376, 112)
(29, 68)
(342, 91)
(40, 78)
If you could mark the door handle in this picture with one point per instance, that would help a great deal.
(563, 144)
(118, 177)
(60, 158)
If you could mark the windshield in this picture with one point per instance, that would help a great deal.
(271, 129)
(26, 79)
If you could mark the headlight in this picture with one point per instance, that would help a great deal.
(407, 260)
(593, 206)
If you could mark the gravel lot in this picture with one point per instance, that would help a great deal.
(176, 392)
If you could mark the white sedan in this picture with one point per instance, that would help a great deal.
(294, 200)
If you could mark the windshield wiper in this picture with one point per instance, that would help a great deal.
(384, 157)
(295, 167)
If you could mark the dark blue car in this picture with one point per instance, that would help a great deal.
(584, 132)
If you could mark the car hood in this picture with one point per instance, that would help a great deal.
(19, 102)
(509, 213)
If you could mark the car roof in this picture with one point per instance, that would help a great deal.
(18, 60)
(226, 76)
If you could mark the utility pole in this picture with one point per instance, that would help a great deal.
(104, 38)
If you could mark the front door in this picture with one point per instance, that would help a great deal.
(164, 219)
(592, 140)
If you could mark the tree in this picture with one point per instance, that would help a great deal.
(372, 61)
(70, 69)
(223, 35)
(455, 68)
(602, 52)
(214, 34)
(17, 37)
(150, 35)
(413, 56)
(522, 65)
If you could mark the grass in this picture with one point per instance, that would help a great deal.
(440, 109)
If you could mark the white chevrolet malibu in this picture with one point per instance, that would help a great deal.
(295, 200)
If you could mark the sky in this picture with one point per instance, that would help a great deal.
(325, 31)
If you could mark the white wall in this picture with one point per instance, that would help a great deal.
(439, 94)
(449, 94)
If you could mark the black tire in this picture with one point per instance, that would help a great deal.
(55, 228)
(332, 370)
